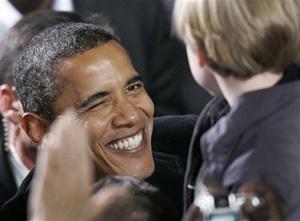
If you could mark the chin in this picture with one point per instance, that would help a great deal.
(142, 175)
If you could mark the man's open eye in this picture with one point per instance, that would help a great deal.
(135, 87)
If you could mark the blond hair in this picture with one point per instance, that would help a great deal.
(241, 37)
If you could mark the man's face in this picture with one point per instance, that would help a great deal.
(106, 91)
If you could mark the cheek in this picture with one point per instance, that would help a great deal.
(145, 103)
(150, 108)
(192, 59)
(198, 72)
(205, 79)
(202, 75)
(97, 128)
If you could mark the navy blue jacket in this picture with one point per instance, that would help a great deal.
(257, 140)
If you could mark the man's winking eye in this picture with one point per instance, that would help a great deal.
(132, 86)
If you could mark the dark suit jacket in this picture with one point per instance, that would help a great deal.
(169, 134)
(8, 185)
(145, 30)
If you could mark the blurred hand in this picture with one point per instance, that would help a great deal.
(63, 176)
(267, 210)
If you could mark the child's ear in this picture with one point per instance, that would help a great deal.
(34, 126)
(202, 58)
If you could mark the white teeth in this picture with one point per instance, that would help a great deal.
(136, 139)
(120, 144)
(128, 143)
(131, 142)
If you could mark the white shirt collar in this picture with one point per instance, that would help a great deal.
(10, 15)
(19, 170)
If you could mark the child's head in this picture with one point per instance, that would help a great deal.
(126, 198)
(240, 38)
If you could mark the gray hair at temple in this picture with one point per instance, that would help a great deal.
(13, 40)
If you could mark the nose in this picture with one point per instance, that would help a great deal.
(126, 114)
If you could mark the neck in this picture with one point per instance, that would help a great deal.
(26, 7)
(232, 87)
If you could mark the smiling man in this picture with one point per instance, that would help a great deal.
(83, 67)
(88, 70)
(108, 94)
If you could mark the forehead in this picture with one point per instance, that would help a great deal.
(100, 65)
(109, 55)
(103, 68)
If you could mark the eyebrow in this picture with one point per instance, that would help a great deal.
(134, 79)
(102, 94)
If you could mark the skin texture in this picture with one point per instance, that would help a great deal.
(122, 110)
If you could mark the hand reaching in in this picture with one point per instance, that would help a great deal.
(63, 176)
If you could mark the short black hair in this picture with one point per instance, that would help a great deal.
(36, 73)
(142, 201)
(14, 40)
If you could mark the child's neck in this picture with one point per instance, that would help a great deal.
(232, 87)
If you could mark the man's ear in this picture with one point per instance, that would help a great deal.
(34, 126)
(202, 58)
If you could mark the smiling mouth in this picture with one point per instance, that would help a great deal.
(129, 143)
